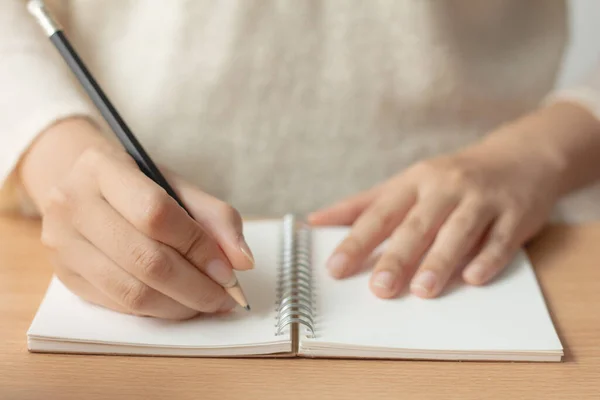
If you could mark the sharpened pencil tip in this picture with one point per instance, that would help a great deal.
(247, 307)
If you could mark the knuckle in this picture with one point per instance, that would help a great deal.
(152, 262)
(490, 260)
(57, 201)
(197, 248)
(92, 158)
(49, 239)
(236, 217)
(353, 246)
(395, 259)
(501, 239)
(467, 225)
(422, 168)
(124, 158)
(136, 296)
(227, 211)
(156, 208)
(230, 214)
(416, 225)
(470, 232)
(499, 246)
(442, 259)
(458, 176)
(383, 217)
(464, 179)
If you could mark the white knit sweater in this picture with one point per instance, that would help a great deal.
(283, 105)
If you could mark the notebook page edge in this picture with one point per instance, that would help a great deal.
(42, 321)
(543, 311)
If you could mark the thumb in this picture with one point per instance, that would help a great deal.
(346, 211)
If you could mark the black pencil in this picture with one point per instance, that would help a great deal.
(109, 113)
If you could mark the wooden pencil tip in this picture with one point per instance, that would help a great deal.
(247, 307)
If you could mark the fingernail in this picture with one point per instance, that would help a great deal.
(228, 305)
(246, 250)
(384, 280)
(475, 273)
(423, 283)
(221, 273)
(337, 264)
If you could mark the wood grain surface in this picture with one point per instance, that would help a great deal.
(567, 261)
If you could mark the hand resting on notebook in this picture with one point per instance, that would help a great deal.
(476, 207)
(118, 240)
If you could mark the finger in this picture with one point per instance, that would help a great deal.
(56, 232)
(73, 257)
(466, 260)
(108, 285)
(86, 291)
(221, 220)
(154, 264)
(152, 211)
(344, 212)
(459, 234)
(500, 247)
(369, 231)
(408, 244)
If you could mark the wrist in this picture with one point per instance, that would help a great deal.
(511, 148)
(562, 140)
(51, 156)
(574, 132)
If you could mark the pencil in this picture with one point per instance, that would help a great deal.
(56, 35)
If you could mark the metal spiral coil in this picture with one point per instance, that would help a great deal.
(295, 289)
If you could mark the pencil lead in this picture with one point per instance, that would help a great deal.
(247, 307)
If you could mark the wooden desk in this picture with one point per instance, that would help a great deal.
(567, 262)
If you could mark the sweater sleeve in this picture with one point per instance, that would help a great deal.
(582, 205)
(36, 91)
(585, 92)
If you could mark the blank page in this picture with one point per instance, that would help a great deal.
(64, 317)
(508, 315)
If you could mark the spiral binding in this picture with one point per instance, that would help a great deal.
(295, 289)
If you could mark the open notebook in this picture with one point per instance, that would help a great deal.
(298, 310)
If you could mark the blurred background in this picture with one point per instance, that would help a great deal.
(584, 50)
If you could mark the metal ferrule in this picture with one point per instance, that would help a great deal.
(38, 9)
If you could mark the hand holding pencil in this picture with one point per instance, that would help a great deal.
(121, 235)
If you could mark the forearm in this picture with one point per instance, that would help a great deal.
(564, 137)
(53, 153)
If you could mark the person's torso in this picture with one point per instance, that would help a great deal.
(279, 106)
